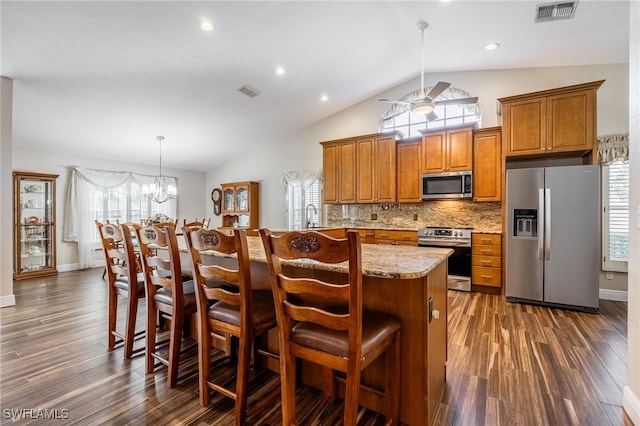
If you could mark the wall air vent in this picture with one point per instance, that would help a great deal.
(252, 92)
(555, 11)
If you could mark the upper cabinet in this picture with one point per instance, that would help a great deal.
(487, 164)
(339, 170)
(447, 151)
(408, 171)
(376, 169)
(557, 121)
(360, 170)
(240, 205)
(34, 225)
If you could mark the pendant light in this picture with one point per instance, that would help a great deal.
(161, 191)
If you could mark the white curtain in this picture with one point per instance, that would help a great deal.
(304, 179)
(79, 220)
(612, 148)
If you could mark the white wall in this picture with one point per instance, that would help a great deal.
(631, 401)
(7, 297)
(191, 187)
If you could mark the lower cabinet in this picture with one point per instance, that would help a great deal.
(486, 260)
(396, 237)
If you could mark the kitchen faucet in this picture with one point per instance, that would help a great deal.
(306, 214)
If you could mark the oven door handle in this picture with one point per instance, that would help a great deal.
(444, 244)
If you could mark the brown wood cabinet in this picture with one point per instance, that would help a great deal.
(487, 164)
(360, 170)
(408, 171)
(240, 205)
(376, 169)
(339, 170)
(557, 121)
(447, 151)
(486, 260)
(396, 237)
(34, 233)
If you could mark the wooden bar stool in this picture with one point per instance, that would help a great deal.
(227, 305)
(125, 279)
(323, 322)
(167, 295)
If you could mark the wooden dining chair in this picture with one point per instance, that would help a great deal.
(324, 323)
(124, 279)
(227, 305)
(196, 224)
(167, 296)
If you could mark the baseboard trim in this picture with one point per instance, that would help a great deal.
(617, 295)
(631, 405)
(9, 300)
(68, 267)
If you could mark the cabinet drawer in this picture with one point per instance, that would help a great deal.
(485, 239)
(486, 261)
(486, 276)
(382, 234)
(486, 250)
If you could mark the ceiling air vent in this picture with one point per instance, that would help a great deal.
(555, 11)
(252, 92)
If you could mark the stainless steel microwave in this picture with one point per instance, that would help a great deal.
(447, 185)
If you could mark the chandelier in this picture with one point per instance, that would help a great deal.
(161, 190)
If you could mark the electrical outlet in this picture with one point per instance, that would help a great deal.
(415, 216)
(374, 216)
(608, 275)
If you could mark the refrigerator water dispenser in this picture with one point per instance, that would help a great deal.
(525, 223)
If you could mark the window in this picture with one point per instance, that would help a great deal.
(302, 197)
(126, 203)
(106, 195)
(615, 201)
(410, 124)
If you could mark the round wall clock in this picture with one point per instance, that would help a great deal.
(216, 197)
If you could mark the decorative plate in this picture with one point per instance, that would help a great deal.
(33, 220)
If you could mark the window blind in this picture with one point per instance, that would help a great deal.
(616, 216)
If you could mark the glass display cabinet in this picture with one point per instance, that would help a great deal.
(240, 205)
(34, 217)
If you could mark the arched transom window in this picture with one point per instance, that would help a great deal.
(400, 118)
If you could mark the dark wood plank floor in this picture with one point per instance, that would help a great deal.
(509, 364)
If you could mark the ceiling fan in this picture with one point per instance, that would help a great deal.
(421, 102)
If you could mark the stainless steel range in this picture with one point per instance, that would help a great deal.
(458, 239)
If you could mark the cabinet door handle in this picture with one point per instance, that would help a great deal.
(485, 277)
(486, 262)
(485, 251)
(485, 241)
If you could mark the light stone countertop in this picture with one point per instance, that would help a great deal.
(378, 260)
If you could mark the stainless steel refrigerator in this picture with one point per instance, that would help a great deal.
(553, 236)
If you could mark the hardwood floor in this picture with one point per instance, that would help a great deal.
(508, 364)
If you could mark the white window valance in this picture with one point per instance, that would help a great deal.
(304, 179)
(612, 148)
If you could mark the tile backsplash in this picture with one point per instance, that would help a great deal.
(453, 213)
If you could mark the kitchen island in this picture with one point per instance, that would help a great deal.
(407, 282)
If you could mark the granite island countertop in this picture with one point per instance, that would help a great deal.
(378, 260)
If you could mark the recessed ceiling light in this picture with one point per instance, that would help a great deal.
(280, 71)
(324, 98)
(206, 26)
(491, 46)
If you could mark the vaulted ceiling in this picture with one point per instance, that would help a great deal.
(100, 77)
